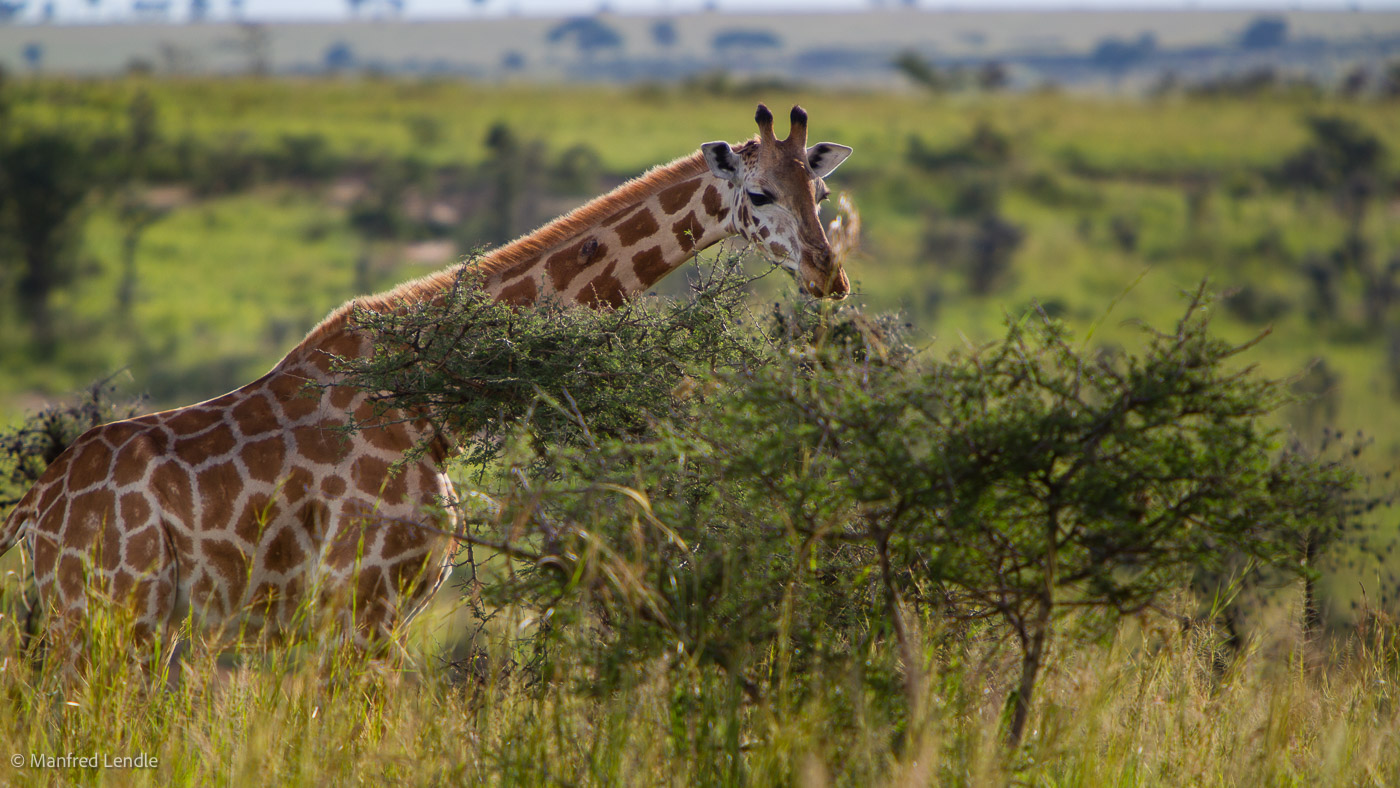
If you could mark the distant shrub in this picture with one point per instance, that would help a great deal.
(727, 41)
(305, 156)
(1117, 55)
(340, 56)
(921, 72)
(663, 33)
(1253, 305)
(1340, 149)
(590, 35)
(1265, 32)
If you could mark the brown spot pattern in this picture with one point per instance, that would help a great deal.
(321, 445)
(213, 443)
(301, 404)
(332, 486)
(676, 197)
(564, 265)
(45, 550)
(605, 289)
(187, 421)
(650, 265)
(110, 553)
(313, 517)
(254, 416)
(264, 459)
(50, 497)
(688, 231)
(70, 577)
(397, 539)
(93, 466)
(143, 549)
(388, 438)
(643, 225)
(520, 293)
(342, 397)
(368, 585)
(219, 486)
(519, 269)
(283, 552)
(135, 509)
(229, 562)
(372, 477)
(93, 512)
(131, 463)
(619, 216)
(297, 484)
(711, 200)
(172, 485)
(254, 519)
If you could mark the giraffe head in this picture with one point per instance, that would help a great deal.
(776, 186)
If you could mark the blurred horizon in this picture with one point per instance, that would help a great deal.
(1130, 49)
(88, 12)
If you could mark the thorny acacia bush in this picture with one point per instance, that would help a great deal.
(479, 369)
(783, 498)
(27, 449)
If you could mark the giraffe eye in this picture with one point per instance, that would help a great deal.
(760, 198)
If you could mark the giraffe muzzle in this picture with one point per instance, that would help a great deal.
(822, 277)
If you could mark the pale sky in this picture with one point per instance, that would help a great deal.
(114, 10)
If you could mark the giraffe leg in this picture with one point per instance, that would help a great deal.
(111, 613)
(33, 620)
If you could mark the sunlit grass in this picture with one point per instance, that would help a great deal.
(1149, 706)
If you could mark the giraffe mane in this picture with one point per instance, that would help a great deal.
(527, 246)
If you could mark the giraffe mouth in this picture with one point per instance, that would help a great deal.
(837, 290)
(809, 284)
(822, 281)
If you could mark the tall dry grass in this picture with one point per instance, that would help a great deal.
(1151, 705)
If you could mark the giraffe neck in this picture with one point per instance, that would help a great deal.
(631, 245)
(602, 253)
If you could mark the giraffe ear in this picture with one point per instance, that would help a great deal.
(723, 161)
(825, 157)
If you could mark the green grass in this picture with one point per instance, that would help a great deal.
(1150, 706)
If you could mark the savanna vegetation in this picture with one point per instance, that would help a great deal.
(1039, 506)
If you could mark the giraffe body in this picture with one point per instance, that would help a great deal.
(238, 510)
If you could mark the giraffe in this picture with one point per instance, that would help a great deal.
(237, 510)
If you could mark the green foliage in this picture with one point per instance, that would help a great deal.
(834, 491)
(27, 449)
(481, 367)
